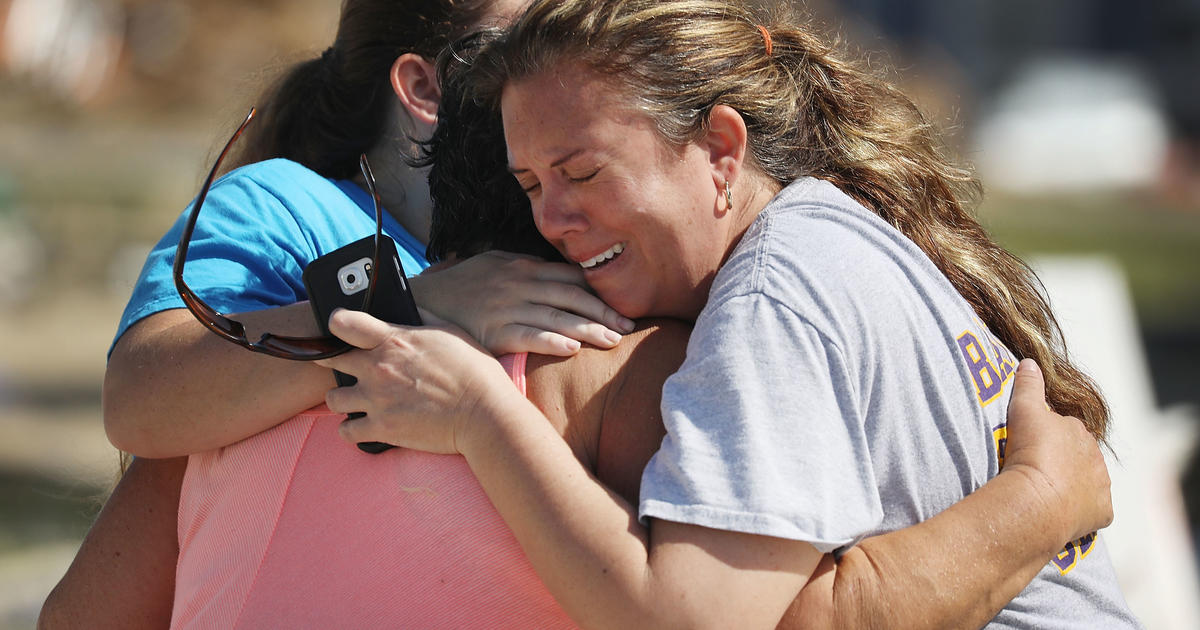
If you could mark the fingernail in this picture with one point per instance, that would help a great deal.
(1028, 365)
(572, 345)
(612, 336)
(626, 324)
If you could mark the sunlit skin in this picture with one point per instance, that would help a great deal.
(598, 176)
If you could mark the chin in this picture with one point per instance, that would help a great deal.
(627, 305)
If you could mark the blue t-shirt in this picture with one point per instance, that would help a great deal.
(260, 226)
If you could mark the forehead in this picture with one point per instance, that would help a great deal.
(567, 108)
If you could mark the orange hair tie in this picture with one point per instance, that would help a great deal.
(766, 38)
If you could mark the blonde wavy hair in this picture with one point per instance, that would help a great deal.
(811, 110)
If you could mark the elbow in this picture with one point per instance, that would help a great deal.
(119, 428)
(123, 422)
(54, 613)
(857, 598)
(815, 607)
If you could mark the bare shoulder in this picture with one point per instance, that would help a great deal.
(606, 402)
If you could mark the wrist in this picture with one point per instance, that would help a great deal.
(1042, 507)
(494, 420)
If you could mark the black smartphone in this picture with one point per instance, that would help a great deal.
(339, 279)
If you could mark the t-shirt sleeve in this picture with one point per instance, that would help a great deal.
(764, 432)
(247, 253)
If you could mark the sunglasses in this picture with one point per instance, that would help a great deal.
(281, 346)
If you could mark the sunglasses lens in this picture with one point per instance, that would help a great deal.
(301, 348)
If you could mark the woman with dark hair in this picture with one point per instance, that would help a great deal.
(294, 194)
(857, 332)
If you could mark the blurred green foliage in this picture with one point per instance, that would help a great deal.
(1157, 245)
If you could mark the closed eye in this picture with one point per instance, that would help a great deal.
(525, 183)
(583, 178)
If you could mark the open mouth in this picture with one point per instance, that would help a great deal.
(603, 258)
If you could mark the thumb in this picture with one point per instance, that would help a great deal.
(358, 329)
(1029, 391)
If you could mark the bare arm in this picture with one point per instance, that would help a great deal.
(1054, 488)
(873, 581)
(124, 573)
(604, 567)
(959, 568)
(173, 388)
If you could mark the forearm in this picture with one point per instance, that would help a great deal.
(173, 388)
(603, 567)
(583, 556)
(124, 573)
(955, 570)
(431, 389)
(961, 567)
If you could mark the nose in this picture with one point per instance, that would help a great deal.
(557, 213)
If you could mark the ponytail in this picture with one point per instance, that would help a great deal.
(316, 117)
(326, 111)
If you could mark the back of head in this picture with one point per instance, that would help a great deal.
(810, 110)
(477, 204)
(325, 112)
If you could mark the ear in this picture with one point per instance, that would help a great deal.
(414, 79)
(725, 143)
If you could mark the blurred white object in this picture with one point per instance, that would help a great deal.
(1067, 125)
(1149, 539)
(69, 46)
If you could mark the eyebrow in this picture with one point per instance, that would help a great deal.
(559, 162)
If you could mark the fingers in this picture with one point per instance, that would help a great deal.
(574, 299)
(556, 324)
(359, 329)
(562, 286)
(565, 308)
(345, 399)
(1060, 455)
(517, 338)
(1029, 392)
(499, 297)
(357, 430)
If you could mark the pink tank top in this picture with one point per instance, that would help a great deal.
(295, 528)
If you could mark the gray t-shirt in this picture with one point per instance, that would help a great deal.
(836, 386)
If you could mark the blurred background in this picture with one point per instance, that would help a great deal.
(1081, 116)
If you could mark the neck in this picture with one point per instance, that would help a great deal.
(757, 192)
(403, 189)
(404, 192)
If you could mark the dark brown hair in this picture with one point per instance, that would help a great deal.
(325, 112)
(477, 204)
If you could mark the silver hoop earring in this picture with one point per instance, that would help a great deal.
(728, 198)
